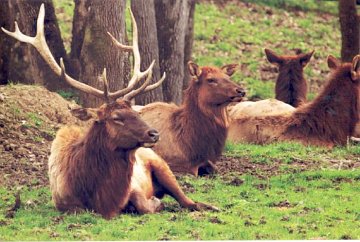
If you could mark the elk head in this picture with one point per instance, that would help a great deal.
(123, 126)
(215, 87)
(294, 62)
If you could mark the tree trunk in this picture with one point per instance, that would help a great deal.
(6, 20)
(18, 66)
(349, 25)
(40, 71)
(189, 41)
(171, 20)
(78, 30)
(98, 50)
(144, 12)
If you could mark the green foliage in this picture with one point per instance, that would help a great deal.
(34, 119)
(69, 95)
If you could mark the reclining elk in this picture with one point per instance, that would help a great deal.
(104, 167)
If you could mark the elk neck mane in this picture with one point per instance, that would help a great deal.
(96, 169)
(291, 86)
(201, 128)
(332, 116)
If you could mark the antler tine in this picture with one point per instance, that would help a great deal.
(137, 73)
(135, 92)
(156, 84)
(106, 86)
(39, 42)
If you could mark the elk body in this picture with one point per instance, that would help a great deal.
(291, 86)
(193, 134)
(327, 121)
(104, 167)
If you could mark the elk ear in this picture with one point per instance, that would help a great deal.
(229, 69)
(305, 58)
(84, 114)
(355, 70)
(194, 69)
(272, 57)
(333, 62)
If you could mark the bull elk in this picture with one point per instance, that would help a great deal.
(193, 134)
(105, 167)
(326, 121)
(291, 86)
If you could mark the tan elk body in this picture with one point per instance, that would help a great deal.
(104, 167)
(327, 121)
(193, 134)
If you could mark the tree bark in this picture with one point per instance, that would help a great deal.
(78, 30)
(6, 20)
(171, 20)
(189, 41)
(98, 50)
(349, 25)
(144, 13)
(40, 71)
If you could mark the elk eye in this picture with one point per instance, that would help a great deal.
(117, 118)
(119, 121)
(212, 81)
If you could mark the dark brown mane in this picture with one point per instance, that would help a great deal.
(291, 86)
(94, 171)
(332, 116)
(201, 124)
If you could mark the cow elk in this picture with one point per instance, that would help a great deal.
(104, 167)
(326, 121)
(193, 135)
(291, 86)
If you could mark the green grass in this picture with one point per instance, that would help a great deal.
(238, 34)
(289, 152)
(322, 203)
(318, 204)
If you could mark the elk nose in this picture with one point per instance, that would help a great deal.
(153, 134)
(240, 91)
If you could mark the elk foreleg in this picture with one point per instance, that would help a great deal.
(166, 179)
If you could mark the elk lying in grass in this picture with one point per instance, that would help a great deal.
(103, 168)
(327, 121)
(334, 63)
(193, 135)
(291, 86)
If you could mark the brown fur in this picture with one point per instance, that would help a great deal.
(196, 131)
(291, 86)
(101, 168)
(327, 121)
(92, 169)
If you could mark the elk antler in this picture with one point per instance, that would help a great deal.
(39, 42)
(137, 74)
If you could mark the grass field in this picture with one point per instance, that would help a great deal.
(318, 200)
(308, 205)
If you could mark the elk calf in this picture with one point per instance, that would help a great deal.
(193, 135)
(291, 86)
(104, 168)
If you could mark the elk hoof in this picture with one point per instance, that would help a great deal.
(204, 207)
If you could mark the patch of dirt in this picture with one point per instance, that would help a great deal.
(29, 119)
(229, 164)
